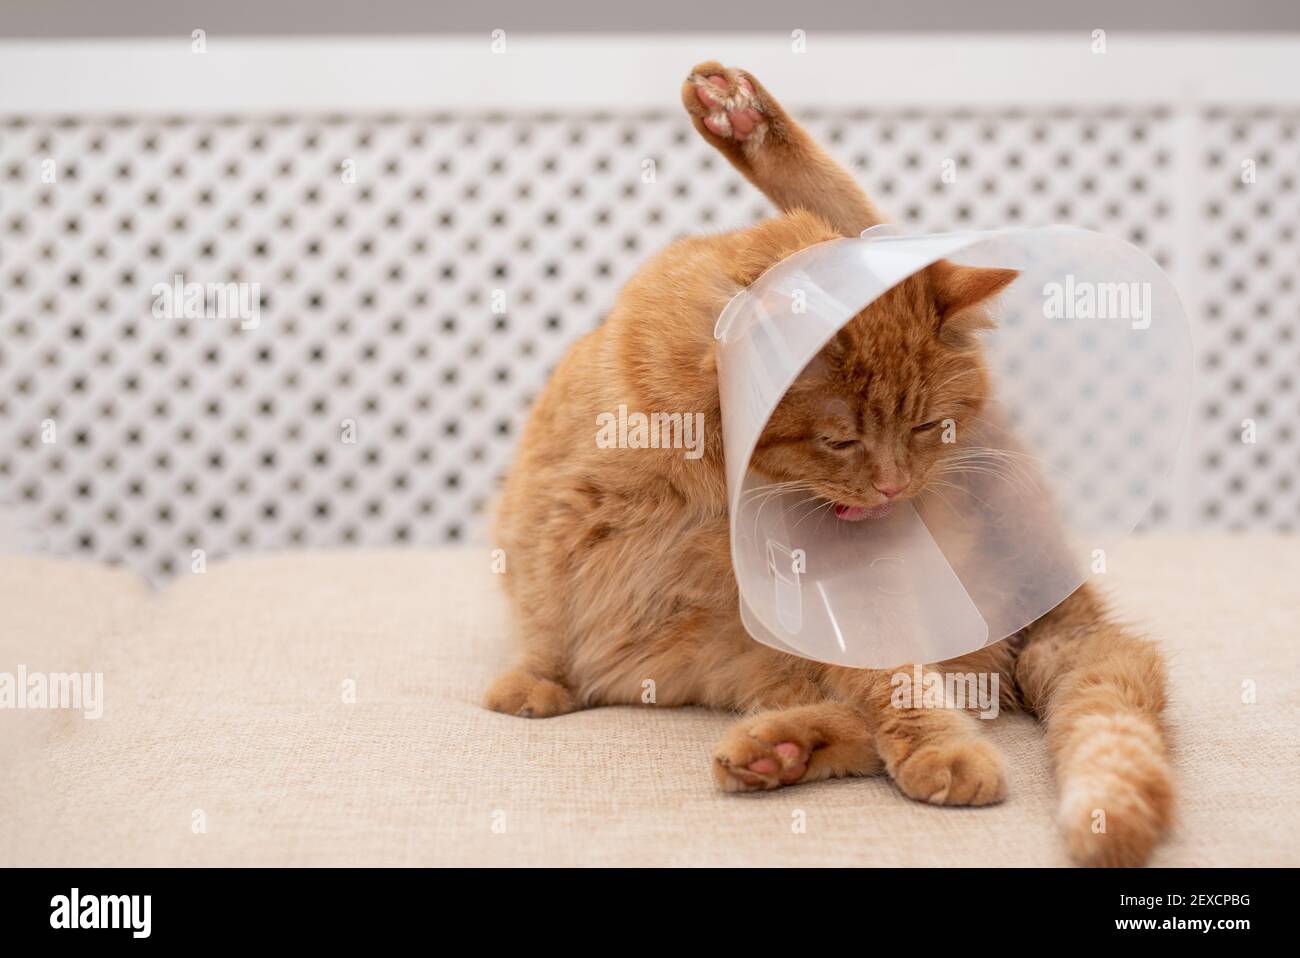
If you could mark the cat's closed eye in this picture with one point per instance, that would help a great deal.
(926, 426)
(840, 444)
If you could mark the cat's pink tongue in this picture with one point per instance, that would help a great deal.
(854, 513)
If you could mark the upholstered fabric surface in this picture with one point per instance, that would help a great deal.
(323, 709)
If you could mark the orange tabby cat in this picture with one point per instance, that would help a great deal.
(619, 567)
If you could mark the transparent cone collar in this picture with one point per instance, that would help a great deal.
(1092, 364)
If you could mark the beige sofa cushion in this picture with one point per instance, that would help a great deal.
(224, 704)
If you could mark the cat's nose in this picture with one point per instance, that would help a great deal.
(889, 491)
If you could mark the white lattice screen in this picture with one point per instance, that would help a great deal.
(378, 297)
(1249, 256)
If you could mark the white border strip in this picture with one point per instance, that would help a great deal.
(622, 72)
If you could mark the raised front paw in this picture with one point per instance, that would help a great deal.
(953, 771)
(726, 102)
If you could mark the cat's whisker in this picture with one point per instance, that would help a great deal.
(988, 469)
(824, 509)
(1019, 481)
(796, 505)
(764, 493)
(964, 490)
(994, 453)
(762, 496)
(936, 487)
(779, 486)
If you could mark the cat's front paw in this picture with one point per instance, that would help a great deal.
(760, 754)
(955, 771)
(726, 102)
(529, 696)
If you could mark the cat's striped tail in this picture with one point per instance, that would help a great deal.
(1101, 690)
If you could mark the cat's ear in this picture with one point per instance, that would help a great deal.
(958, 290)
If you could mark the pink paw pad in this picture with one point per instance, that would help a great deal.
(791, 767)
(732, 117)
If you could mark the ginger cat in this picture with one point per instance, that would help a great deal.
(619, 564)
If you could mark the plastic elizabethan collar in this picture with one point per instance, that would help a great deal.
(1092, 366)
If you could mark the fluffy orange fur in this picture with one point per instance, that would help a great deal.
(619, 566)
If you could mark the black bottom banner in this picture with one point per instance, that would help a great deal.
(337, 906)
